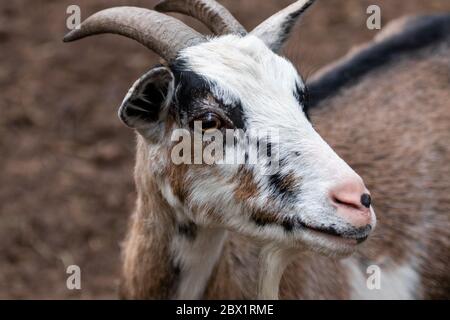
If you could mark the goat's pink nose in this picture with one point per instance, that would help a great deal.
(352, 201)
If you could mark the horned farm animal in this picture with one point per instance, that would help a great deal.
(235, 231)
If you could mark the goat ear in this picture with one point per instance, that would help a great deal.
(147, 103)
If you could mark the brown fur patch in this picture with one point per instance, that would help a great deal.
(286, 187)
(177, 180)
(289, 182)
(263, 218)
(246, 188)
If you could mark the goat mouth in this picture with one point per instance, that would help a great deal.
(353, 237)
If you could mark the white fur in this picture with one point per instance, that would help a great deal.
(197, 259)
(272, 263)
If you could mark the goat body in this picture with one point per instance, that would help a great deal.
(390, 119)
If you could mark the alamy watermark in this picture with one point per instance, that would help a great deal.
(374, 277)
(73, 21)
(374, 20)
(73, 281)
(227, 147)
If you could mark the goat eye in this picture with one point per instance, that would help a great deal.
(210, 122)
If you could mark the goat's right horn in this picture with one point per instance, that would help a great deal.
(215, 16)
(163, 34)
(275, 30)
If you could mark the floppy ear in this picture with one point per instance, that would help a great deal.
(146, 105)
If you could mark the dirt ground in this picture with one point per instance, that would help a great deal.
(66, 187)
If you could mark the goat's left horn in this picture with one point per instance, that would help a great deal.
(215, 16)
(276, 29)
(163, 34)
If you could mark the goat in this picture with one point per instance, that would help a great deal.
(215, 231)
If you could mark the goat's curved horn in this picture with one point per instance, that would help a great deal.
(276, 29)
(215, 16)
(163, 34)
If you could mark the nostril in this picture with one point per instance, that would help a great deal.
(345, 203)
(366, 200)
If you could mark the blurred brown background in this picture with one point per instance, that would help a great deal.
(66, 187)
